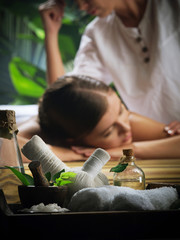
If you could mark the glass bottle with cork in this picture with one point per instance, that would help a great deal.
(127, 173)
(9, 156)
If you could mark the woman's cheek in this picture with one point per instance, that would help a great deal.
(114, 141)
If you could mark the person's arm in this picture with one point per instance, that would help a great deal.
(52, 16)
(29, 128)
(167, 148)
(144, 128)
(150, 140)
(162, 148)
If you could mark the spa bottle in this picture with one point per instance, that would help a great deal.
(9, 156)
(129, 174)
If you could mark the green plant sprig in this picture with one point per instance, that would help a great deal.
(65, 178)
(61, 178)
(119, 168)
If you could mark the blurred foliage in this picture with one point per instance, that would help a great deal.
(22, 53)
(27, 78)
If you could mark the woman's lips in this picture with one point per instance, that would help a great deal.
(127, 138)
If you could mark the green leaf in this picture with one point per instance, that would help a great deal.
(19, 175)
(29, 37)
(62, 183)
(27, 79)
(65, 178)
(119, 168)
(48, 176)
(68, 175)
(40, 33)
(23, 100)
(29, 179)
(67, 47)
(57, 175)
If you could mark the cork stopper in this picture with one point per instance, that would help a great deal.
(128, 152)
(7, 123)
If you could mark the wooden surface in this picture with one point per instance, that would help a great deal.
(156, 170)
(106, 225)
(9, 184)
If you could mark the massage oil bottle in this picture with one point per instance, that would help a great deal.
(127, 174)
(9, 156)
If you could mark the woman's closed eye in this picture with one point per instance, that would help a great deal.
(111, 129)
(108, 132)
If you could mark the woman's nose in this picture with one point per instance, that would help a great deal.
(124, 126)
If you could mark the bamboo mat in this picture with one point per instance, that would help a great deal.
(156, 170)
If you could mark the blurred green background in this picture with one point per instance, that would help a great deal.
(22, 53)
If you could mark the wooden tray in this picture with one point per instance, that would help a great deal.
(91, 225)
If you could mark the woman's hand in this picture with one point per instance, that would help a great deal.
(84, 151)
(115, 153)
(173, 128)
(52, 13)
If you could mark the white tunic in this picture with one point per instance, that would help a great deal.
(143, 62)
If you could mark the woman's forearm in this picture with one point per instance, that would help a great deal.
(159, 149)
(162, 148)
(55, 66)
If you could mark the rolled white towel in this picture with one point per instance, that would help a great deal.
(88, 176)
(92, 171)
(95, 162)
(91, 199)
(122, 198)
(36, 149)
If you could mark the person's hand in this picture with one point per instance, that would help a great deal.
(84, 151)
(173, 128)
(115, 153)
(52, 13)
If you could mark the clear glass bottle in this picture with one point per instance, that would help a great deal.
(132, 176)
(9, 156)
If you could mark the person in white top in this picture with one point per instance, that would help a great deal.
(135, 44)
(142, 58)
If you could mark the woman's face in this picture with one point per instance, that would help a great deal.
(101, 8)
(113, 129)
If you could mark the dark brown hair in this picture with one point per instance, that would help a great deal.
(72, 106)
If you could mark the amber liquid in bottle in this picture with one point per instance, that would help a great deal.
(132, 176)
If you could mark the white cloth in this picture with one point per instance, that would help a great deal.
(110, 52)
(122, 198)
(23, 112)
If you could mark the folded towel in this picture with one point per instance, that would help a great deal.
(122, 198)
